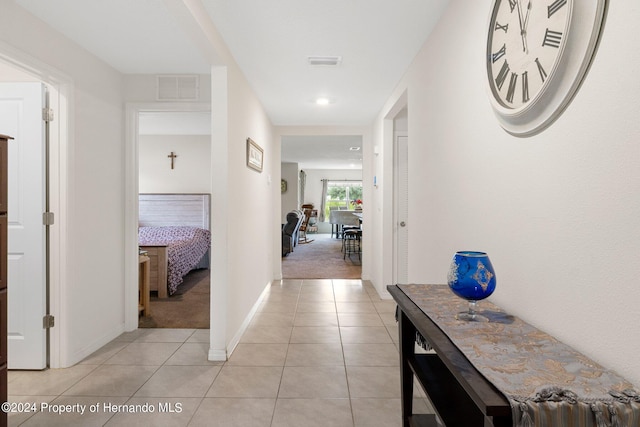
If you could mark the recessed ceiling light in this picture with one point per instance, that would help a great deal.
(322, 101)
(354, 148)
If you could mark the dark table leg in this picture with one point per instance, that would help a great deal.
(407, 334)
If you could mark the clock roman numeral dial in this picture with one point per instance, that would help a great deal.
(555, 6)
(502, 75)
(543, 73)
(526, 41)
(536, 55)
(504, 28)
(499, 54)
(552, 38)
(512, 87)
(525, 87)
(505, 72)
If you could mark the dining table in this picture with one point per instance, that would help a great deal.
(340, 218)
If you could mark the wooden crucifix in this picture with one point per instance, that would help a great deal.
(172, 156)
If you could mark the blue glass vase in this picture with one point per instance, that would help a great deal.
(471, 277)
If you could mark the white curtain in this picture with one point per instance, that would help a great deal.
(303, 182)
(323, 200)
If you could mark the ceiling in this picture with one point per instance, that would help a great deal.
(271, 42)
(310, 152)
(323, 152)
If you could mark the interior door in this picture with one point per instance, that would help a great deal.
(401, 209)
(21, 112)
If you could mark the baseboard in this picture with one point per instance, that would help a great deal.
(86, 351)
(236, 338)
(217, 355)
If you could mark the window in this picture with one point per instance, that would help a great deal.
(341, 194)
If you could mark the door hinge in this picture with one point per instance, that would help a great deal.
(47, 114)
(48, 321)
(48, 218)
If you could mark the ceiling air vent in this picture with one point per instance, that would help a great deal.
(325, 61)
(177, 87)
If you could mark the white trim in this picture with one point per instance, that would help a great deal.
(387, 221)
(97, 343)
(219, 209)
(217, 355)
(247, 320)
(132, 112)
(60, 175)
(131, 263)
(396, 184)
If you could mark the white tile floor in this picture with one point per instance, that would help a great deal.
(317, 353)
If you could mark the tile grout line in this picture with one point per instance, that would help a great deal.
(295, 313)
(344, 359)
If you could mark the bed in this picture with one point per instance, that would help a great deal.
(174, 232)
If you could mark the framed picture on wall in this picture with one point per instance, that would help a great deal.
(255, 155)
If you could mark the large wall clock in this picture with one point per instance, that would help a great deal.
(538, 52)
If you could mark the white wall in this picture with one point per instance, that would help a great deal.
(556, 212)
(10, 74)
(87, 291)
(253, 202)
(192, 167)
(245, 223)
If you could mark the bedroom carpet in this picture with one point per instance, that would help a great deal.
(187, 308)
(320, 259)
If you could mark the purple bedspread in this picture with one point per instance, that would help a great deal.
(185, 248)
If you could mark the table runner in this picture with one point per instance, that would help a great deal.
(546, 382)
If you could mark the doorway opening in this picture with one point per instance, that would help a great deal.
(325, 172)
(395, 221)
(400, 197)
(170, 152)
(36, 269)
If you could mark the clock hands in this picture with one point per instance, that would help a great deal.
(526, 19)
(523, 24)
(524, 27)
(524, 43)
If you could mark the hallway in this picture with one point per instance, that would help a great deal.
(317, 353)
(321, 259)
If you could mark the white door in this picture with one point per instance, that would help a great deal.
(401, 209)
(21, 106)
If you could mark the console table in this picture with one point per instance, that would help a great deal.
(504, 372)
(460, 395)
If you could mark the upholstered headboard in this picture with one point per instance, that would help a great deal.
(158, 210)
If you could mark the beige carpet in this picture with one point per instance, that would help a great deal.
(187, 308)
(320, 259)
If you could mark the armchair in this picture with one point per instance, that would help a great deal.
(290, 231)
